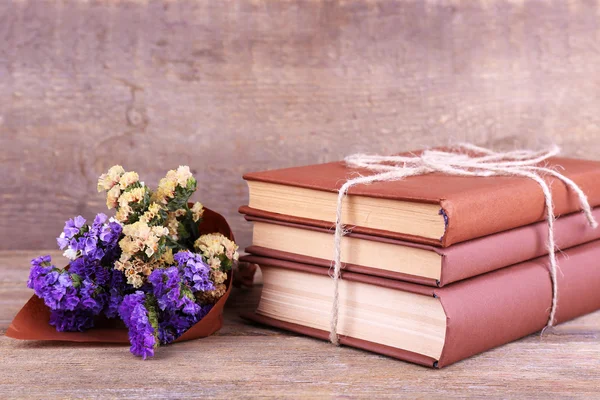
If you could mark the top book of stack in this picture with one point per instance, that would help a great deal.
(434, 209)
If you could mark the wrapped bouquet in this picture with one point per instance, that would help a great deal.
(161, 265)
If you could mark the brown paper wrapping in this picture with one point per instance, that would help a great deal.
(32, 321)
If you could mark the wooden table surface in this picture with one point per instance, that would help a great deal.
(245, 360)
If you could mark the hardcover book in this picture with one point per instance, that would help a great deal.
(435, 209)
(434, 327)
(413, 262)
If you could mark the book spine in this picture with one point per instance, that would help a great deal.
(505, 305)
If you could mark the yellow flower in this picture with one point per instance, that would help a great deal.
(218, 277)
(213, 245)
(104, 183)
(123, 214)
(128, 178)
(108, 180)
(112, 197)
(147, 270)
(182, 175)
(167, 257)
(115, 172)
(160, 231)
(165, 191)
(214, 262)
(172, 225)
(131, 196)
(180, 212)
(130, 245)
(135, 280)
(197, 211)
(151, 213)
(154, 208)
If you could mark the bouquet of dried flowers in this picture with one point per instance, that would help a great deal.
(148, 265)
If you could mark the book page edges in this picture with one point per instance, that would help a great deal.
(344, 340)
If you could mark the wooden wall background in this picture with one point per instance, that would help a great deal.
(241, 85)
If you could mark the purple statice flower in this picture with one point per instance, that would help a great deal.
(71, 321)
(89, 299)
(40, 267)
(174, 324)
(170, 291)
(137, 317)
(73, 226)
(196, 273)
(53, 286)
(117, 288)
(99, 221)
(85, 290)
(63, 290)
(110, 234)
(182, 257)
(91, 269)
(93, 242)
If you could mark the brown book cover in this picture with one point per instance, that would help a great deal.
(485, 311)
(466, 259)
(473, 206)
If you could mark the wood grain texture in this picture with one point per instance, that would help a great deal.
(248, 361)
(241, 85)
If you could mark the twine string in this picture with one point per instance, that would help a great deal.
(462, 160)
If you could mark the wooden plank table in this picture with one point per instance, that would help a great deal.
(245, 360)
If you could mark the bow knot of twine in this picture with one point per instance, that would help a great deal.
(462, 160)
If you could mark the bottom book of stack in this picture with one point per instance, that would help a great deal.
(431, 326)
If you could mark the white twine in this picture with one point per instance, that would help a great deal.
(459, 162)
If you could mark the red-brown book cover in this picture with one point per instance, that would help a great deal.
(485, 311)
(463, 260)
(474, 206)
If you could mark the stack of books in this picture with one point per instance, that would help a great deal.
(436, 268)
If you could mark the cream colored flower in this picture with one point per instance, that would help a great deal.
(230, 248)
(125, 257)
(172, 225)
(108, 180)
(122, 265)
(123, 214)
(131, 196)
(197, 211)
(131, 245)
(213, 245)
(146, 270)
(151, 213)
(167, 257)
(154, 208)
(149, 250)
(70, 253)
(112, 197)
(115, 172)
(128, 178)
(104, 183)
(218, 277)
(135, 280)
(214, 262)
(165, 191)
(182, 175)
(160, 231)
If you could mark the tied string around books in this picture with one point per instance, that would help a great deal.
(462, 160)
